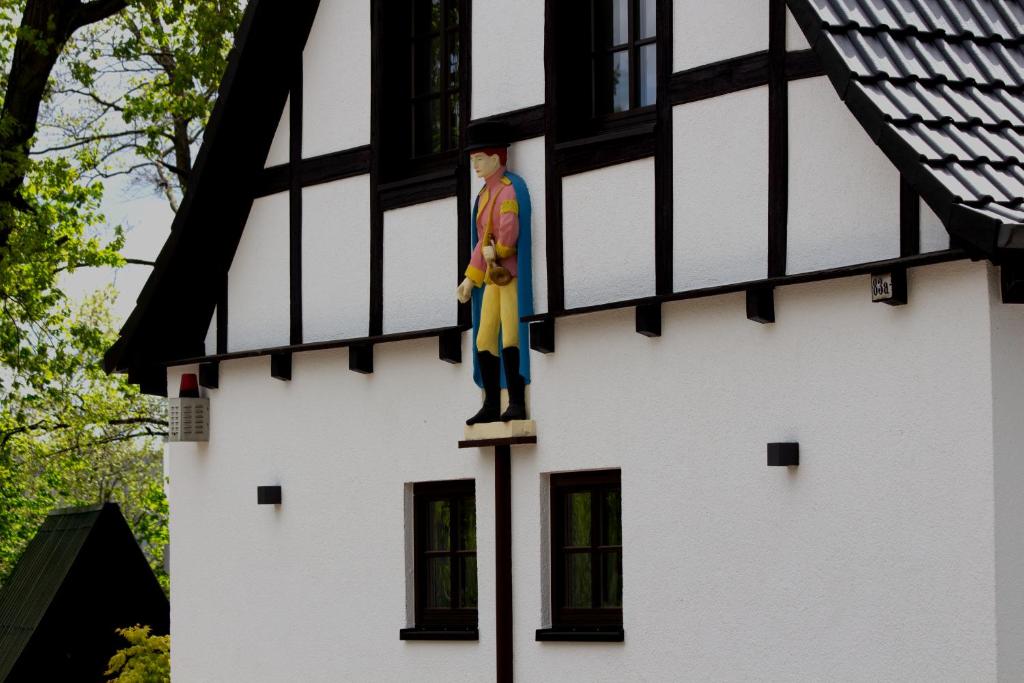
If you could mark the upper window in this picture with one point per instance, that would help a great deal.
(605, 61)
(445, 563)
(586, 540)
(624, 59)
(435, 60)
(420, 88)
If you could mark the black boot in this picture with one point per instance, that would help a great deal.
(516, 386)
(490, 373)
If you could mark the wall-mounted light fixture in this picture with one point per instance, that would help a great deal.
(783, 454)
(268, 495)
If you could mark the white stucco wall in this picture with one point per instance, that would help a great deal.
(279, 147)
(258, 281)
(608, 233)
(844, 195)
(706, 32)
(336, 260)
(509, 76)
(420, 266)
(934, 236)
(1008, 478)
(874, 560)
(720, 182)
(795, 39)
(210, 343)
(336, 79)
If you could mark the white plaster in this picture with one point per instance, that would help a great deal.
(874, 560)
(795, 38)
(720, 176)
(280, 152)
(526, 158)
(844, 194)
(258, 281)
(608, 233)
(510, 75)
(210, 343)
(336, 79)
(420, 266)
(706, 32)
(335, 260)
(934, 236)
(1008, 479)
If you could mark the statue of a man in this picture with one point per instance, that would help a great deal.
(499, 277)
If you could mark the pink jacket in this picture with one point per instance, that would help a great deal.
(496, 203)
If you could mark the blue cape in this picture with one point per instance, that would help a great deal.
(524, 279)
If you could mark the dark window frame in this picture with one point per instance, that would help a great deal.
(453, 618)
(395, 89)
(595, 617)
(579, 116)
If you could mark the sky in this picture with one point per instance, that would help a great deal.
(146, 218)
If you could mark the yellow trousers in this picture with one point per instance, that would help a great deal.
(499, 311)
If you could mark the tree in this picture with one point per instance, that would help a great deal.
(91, 90)
(147, 659)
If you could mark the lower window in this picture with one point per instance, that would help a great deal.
(586, 554)
(444, 516)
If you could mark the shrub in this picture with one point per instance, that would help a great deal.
(147, 659)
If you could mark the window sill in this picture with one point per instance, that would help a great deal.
(582, 634)
(438, 633)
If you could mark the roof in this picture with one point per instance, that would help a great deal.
(937, 85)
(82, 575)
(174, 308)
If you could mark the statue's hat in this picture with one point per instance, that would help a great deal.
(487, 134)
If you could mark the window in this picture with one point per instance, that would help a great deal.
(624, 59)
(421, 87)
(605, 66)
(444, 515)
(586, 552)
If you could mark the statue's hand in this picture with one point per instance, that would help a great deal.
(464, 292)
(489, 254)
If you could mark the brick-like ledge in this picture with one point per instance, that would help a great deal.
(581, 635)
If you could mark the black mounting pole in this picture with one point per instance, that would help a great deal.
(503, 559)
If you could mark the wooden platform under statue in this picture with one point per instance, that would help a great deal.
(511, 433)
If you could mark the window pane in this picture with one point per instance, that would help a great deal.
(577, 519)
(611, 528)
(428, 126)
(453, 59)
(620, 81)
(467, 524)
(439, 525)
(648, 26)
(427, 16)
(612, 22)
(648, 75)
(439, 582)
(468, 590)
(453, 13)
(611, 589)
(578, 580)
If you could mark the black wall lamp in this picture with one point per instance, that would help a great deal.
(268, 495)
(783, 454)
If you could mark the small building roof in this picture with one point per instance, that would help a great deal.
(937, 84)
(81, 577)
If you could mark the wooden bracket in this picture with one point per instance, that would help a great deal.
(542, 335)
(360, 358)
(648, 319)
(281, 366)
(449, 346)
(209, 375)
(761, 304)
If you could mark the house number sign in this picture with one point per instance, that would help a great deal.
(881, 287)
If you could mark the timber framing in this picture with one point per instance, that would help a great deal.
(230, 174)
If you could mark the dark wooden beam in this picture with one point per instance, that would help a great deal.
(778, 139)
(281, 366)
(503, 561)
(740, 73)
(664, 187)
(295, 205)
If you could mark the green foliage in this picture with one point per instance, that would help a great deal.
(129, 95)
(147, 659)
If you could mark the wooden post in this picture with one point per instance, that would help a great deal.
(503, 559)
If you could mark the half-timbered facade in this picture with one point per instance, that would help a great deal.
(744, 183)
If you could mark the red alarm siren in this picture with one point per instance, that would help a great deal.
(189, 386)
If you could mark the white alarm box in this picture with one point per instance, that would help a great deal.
(188, 419)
